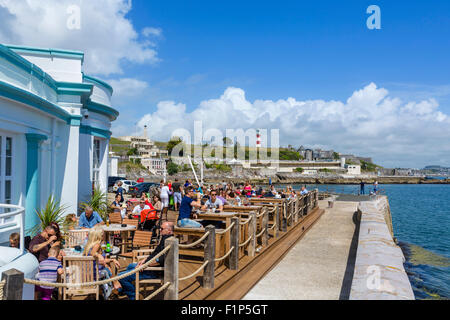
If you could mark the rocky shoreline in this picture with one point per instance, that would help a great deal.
(213, 176)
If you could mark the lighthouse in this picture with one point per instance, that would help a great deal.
(258, 139)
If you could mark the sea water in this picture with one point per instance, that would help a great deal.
(421, 222)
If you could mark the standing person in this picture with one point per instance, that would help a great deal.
(176, 186)
(184, 218)
(120, 191)
(362, 191)
(165, 193)
(375, 187)
(41, 243)
(49, 269)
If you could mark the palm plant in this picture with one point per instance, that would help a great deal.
(52, 212)
(98, 202)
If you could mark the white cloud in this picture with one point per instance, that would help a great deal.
(370, 123)
(105, 35)
(127, 87)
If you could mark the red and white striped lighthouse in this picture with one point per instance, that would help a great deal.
(258, 139)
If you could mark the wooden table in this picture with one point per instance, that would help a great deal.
(224, 217)
(118, 228)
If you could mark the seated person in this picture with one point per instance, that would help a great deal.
(157, 204)
(70, 221)
(304, 191)
(216, 205)
(137, 210)
(93, 248)
(14, 240)
(89, 219)
(49, 269)
(126, 285)
(213, 203)
(184, 217)
(118, 207)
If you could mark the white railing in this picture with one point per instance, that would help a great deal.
(17, 211)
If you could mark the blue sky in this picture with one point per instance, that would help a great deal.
(310, 69)
(300, 49)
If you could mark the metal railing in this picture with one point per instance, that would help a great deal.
(17, 211)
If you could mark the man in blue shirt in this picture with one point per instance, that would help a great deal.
(184, 218)
(89, 219)
(304, 191)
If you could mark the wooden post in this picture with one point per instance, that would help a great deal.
(171, 269)
(317, 198)
(233, 259)
(279, 213)
(284, 222)
(252, 233)
(296, 210)
(265, 226)
(292, 213)
(276, 219)
(210, 254)
(13, 288)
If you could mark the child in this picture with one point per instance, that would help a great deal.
(48, 272)
(14, 239)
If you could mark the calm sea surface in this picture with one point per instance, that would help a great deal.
(421, 220)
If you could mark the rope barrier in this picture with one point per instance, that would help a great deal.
(226, 255)
(193, 274)
(2, 285)
(263, 212)
(194, 243)
(163, 287)
(96, 283)
(246, 221)
(226, 230)
(260, 234)
(273, 226)
(246, 242)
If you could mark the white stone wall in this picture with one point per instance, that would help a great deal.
(379, 273)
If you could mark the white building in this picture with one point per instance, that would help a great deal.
(54, 129)
(353, 169)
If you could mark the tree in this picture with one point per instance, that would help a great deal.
(132, 152)
(173, 142)
(299, 170)
(172, 168)
(336, 156)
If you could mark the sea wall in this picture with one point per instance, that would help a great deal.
(379, 273)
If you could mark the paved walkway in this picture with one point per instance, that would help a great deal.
(316, 267)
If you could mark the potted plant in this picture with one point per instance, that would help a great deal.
(52, 212)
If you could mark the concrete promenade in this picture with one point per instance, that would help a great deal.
(320, 265)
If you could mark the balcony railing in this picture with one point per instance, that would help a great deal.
(7, 225)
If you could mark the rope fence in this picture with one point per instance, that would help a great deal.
(246, 221)
(246, 242)
(195, 272)
(226, 230)
(193, 244)
(96, 283)
(163, 287)
(2, 285)
(226, 255)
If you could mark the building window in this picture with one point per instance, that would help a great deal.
(6, 168)
(96, 164)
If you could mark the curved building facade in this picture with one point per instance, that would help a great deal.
(54, 129)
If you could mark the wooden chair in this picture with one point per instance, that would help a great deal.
(130, 222)
(139, 255)
(80, 269)
(76, 237)
(115, 217)
(140, 239)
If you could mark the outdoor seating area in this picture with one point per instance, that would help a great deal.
(194, 257)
